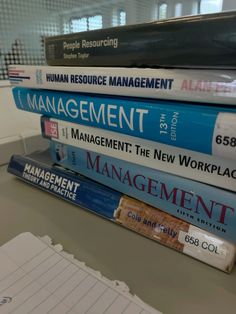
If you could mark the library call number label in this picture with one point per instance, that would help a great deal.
(203, 244)
(224, 136)
(198, 241)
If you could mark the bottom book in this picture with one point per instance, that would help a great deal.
(38, 170)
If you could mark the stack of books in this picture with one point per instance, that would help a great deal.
(142, 127)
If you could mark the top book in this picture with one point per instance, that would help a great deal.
(201, 41)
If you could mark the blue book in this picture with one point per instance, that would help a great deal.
(38, 169)
(203, 128)
(203, 205)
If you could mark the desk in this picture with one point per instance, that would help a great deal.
(170, 281)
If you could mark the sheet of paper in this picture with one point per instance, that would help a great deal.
(37, 277)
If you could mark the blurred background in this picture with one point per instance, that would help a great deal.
(23, 24)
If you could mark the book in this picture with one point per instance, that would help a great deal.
(206, 40)
(210, 130)
(189, 164)
(192, 85)
(208, 207)
(39, 277)
(38, 170)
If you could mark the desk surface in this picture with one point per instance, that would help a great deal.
(169, 281)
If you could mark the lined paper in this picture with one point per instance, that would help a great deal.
(37, 277)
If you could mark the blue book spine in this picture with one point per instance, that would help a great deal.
(70, 187)
(206, 129)
(128, 212)
(203, 205)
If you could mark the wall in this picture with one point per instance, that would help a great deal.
(19, 131)
(229, 5)
(12, 120)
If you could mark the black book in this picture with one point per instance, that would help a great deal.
(207, 41)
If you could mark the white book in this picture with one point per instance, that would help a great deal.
(214, 170)
(37, 277)
(206, 86)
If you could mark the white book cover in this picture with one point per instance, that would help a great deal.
(201, 167)
(205, 86)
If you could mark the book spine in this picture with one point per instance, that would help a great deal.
(205, 86)
(201, 167)
(70, 187)
(162, 44)
(133, 214)
(211, 130)
(205, 206)
(175, 233)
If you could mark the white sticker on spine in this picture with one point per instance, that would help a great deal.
(206, 247)
(224, 136)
